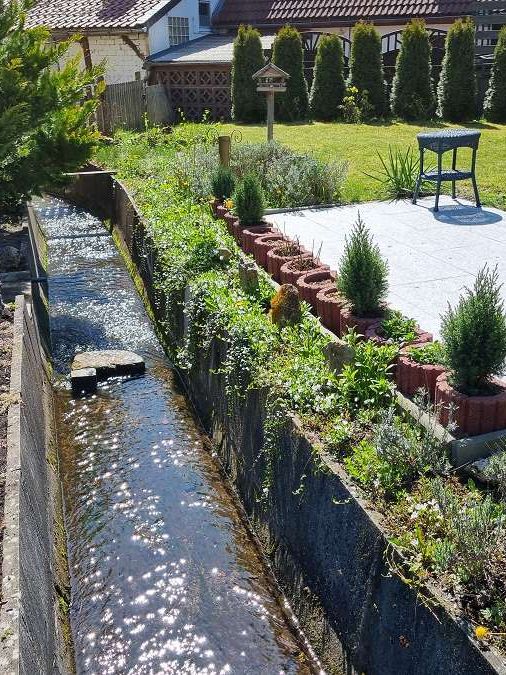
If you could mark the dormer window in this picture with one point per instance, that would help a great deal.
(179, 30)
(204, 14)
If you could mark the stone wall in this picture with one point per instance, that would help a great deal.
(31, 640)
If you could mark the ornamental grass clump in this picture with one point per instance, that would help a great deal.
(249, 201)
(222, 183)
(363, 274)
(474, 334)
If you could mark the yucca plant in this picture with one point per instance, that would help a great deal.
(399, 172)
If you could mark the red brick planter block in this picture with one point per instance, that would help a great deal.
(329, 304)
(262, 245)
(249, 234)
(311, 283)
(276, 259)
(289, 272)
(374, 333)
(220, 210)
(473, 414)
(230, 220)
(412, 376)
(361, 324)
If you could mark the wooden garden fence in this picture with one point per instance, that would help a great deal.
(125, 105)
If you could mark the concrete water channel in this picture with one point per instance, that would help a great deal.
(165, 574)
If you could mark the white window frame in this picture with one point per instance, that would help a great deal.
(179, 30)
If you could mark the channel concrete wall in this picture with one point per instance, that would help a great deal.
(31, 640)
(328, 548)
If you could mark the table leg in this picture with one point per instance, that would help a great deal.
(454, 166)
(419, 179)
(438, 192)
(473, 178)
(438, 186)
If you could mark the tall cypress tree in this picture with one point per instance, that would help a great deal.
(412, 92)
(495, 100)
(288, 55)
(328, 84)
(366, 65)
(247, 104)
(457, 85)
(45, 117)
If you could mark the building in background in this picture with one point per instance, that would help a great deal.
(123, 32)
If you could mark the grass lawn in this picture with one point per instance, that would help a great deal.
(359, 144)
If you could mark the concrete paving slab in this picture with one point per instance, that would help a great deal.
(432, 256)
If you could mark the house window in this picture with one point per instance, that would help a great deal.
(204, 14)
(179, 30)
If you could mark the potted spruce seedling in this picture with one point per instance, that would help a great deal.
(418, 367)
(474, 335)
(249, 205)
(363, 281)
(222, 185)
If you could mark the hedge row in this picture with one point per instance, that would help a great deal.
(413, 95)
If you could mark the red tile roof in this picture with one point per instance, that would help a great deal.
(90, 14)
(321, 12)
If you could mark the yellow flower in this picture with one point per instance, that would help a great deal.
(229, 203)
(481, 632)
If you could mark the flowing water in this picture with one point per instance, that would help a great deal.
(165, 575)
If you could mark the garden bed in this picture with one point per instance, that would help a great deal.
(337, 412)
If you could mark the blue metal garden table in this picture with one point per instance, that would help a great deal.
(441, 142)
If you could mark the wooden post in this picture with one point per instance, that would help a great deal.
(224, 146)
(270, 116)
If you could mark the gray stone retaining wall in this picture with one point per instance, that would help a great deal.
(29, 629)
(327, 547)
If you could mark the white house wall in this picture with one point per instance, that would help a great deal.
(159, 31)
(121, 62)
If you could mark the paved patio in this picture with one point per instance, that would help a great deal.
(432, 256)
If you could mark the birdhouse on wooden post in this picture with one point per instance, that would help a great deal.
(271, 80)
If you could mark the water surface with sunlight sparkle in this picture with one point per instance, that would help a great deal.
(165, 576)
